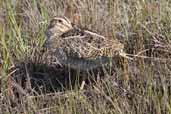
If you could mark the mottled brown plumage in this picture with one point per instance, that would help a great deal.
(77, 47)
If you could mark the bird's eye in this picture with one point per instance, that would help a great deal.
(60, 21)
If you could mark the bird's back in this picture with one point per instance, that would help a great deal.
(85, 44)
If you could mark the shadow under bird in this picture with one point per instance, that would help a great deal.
(79, 48)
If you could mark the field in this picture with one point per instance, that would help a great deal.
(31, 83)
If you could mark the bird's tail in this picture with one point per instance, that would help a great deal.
(125, 55)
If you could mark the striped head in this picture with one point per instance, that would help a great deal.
(56, 27)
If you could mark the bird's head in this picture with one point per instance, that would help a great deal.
(56, 27)
(59, 25)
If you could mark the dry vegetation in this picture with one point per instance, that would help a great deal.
(31, 84)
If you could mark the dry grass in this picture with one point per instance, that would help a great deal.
(44, 88)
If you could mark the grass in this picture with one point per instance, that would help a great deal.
(42, 87)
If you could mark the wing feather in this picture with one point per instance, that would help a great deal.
(87, 44)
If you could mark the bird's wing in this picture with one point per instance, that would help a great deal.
(87, 44)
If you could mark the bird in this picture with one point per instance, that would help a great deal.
(77, 47)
